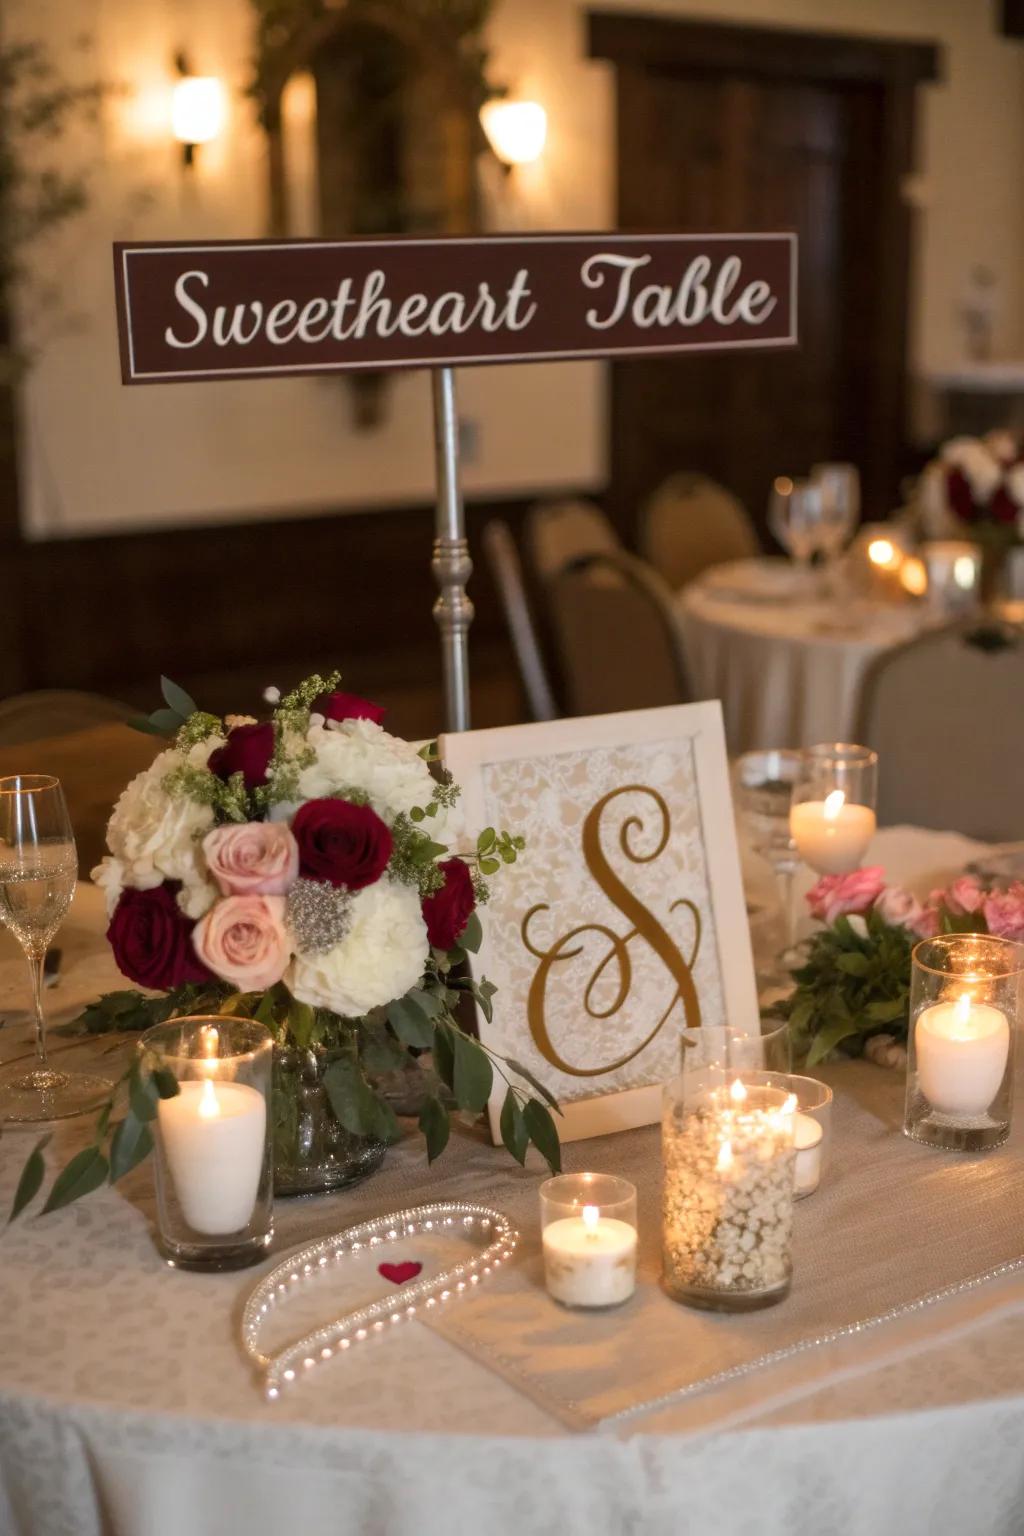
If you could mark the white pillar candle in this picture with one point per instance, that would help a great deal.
(962, 1049)
(831, 835)
(807, 1139)
(213, 1135)
(590, 1260)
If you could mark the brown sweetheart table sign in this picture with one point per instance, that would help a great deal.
(195, 312)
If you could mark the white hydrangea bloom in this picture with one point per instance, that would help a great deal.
(359, 754)
(381, 956)
(197, 895)
(109, 876)
(155, 835)
(938, 520)
(978, 464)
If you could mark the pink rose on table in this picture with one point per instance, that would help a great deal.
(838, 895)
(257, 858)
(898, 907)
(1004, 912)
(243, 940)
(152, 939)
(349, 706)
(342, 843)
(927, 923)
(964, 896)
(247, 751)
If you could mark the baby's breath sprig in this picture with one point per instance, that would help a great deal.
(199, 726)
(414, 856)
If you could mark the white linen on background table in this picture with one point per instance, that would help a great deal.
(125, 1409)
(783, 682)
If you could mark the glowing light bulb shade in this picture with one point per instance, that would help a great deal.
(198, 109)
(516, 130)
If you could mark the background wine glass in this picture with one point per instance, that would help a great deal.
(840, 513)
(795, 516)
(764, 790)
(832, 817)
(38, 870)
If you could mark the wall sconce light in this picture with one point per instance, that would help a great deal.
(198, 110)
(516, 130)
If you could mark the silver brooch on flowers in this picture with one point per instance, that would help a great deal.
(319, 915)
(427, 1292)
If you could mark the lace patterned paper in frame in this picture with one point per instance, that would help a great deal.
(624, 920)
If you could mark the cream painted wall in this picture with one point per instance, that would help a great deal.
(100, 457)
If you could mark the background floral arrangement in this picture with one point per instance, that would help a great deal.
(302, 871)
(975, 485)
(855, 983)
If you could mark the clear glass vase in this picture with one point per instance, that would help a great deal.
(313, 1152)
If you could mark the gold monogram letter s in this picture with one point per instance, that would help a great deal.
(645, 924)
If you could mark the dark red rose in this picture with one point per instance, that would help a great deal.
(341, 843)
(247, 751)
(152, 939)
(349, 706)
(1002, 508)
(447, 912)
(961, 497)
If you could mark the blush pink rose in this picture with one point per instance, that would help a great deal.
(256, 858)
(838, 895)
(243, 940)
(926, 924)
(1004, 912)
(964, 896)
(898, 907)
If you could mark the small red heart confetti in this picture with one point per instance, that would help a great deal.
(398, 1274)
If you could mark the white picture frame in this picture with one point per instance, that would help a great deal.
(646, 767)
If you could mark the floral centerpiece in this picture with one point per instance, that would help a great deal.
(975, 489)
(307, 871)
(852, 992)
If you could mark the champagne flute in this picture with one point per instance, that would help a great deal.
(38, 870)
(796, 511)
(832, 818)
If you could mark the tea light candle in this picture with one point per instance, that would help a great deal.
(962, 1050)
(831, 835)
(807, 1139)
(590, 1259)
(213, 1136)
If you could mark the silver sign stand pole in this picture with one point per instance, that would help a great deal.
(451, 564)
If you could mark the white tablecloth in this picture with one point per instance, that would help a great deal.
(786, 673)
(126, 1409)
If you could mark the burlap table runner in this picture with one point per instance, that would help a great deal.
(892, 1223)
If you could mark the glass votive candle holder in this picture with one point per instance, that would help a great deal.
(812, 1125)
(766, 1046)
(727, 1208)
(589, 1237)
(965, 999)
(214, 1175)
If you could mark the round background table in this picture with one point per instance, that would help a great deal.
(786, 663)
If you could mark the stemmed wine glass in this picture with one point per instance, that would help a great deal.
(840, 485)
(832, 818)
(764, 790)
(796, 511)
(38, 870)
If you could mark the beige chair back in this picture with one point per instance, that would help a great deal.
(559, 531)
(506, 568)
(690, 524)
(616, 634)
(946, 715)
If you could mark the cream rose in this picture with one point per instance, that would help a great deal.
(257, 858)
(381, 956)
(243, 940)
(153, 834)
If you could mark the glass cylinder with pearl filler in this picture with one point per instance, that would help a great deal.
(589, 1237)
(965, 1000)
(832, 814)
(214, 1183)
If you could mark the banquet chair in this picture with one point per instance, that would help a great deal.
(558, 531)
(945, 713)
(506, 568)
(690, 524)
(616, 635)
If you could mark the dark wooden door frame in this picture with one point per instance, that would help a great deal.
(636, 44)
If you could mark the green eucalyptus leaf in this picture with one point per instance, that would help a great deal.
(86, 1171)
(31, 1180)
(301, 1022)
(474, 1075)
(542, 1132)
(535, 1083)
(142, 1096)
(472, 936)
(828, 1038)
(886, 1010)
(485, 842)
(513, 1127)
(410, 1023)
(177, 699)
(147, 727)
(853, 964)
(489, 866)
(356, 1105)
(166, 721)
(165, 1082)
(444, 1055)
(432, 1003)
(131, 1143)
(416, 814)
(436, 1127)
(265, 1013)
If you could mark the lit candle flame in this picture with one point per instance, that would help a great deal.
(914, 577)
(790, 1105)
(591, 1216)
(882, 552)
(211, 1041)
(724, 1160)
(834, 804)
(209, 1104)
(737, 1092)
